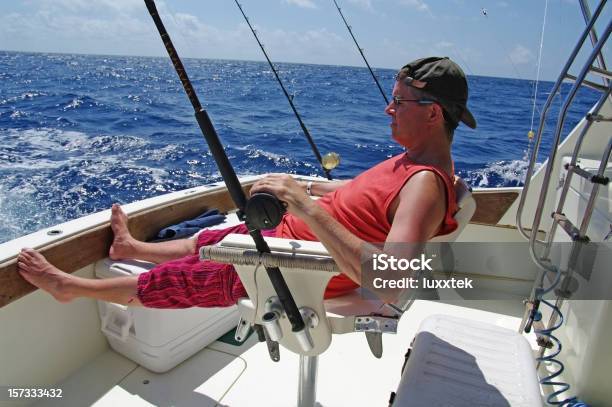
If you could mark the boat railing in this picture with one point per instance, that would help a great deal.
(558, 218)
(540, 250)
(579, 81)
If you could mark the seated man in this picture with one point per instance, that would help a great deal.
(408, 198)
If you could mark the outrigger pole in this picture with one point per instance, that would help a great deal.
(382, 92)
(313, 146)
(231, 180)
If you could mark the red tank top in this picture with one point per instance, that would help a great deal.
(362, 205)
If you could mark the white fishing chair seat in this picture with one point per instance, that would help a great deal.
(307, 268)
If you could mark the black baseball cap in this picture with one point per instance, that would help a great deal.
(444, 81)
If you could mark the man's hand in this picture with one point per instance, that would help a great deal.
(288, 190)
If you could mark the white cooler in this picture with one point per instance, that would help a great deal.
(158, 339)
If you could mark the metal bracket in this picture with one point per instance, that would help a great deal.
(273, 349)
(376, 323)
(242, 330)
(375, 343)
(594, 178)
(569, 228)
(262, 336)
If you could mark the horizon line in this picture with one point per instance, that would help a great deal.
(247, 60)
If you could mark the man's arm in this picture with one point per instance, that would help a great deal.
(322, 188)
(418, 217)
(421, 209)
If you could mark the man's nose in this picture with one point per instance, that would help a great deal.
(390, 109)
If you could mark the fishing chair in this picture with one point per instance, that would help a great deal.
(307, 268)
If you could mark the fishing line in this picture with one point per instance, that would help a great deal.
(313, 146)
(535, 92)
(531, 133)
(348, 27)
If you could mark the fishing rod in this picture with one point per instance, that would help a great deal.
(382, 92)
(256, 211)
(324, 165)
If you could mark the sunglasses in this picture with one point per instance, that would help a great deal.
(398, 101)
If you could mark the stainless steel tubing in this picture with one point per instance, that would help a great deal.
(553, 152)
(307, 386)
(544, 114)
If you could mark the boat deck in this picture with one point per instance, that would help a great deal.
(227, 375)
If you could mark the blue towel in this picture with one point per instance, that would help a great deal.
(187, 228)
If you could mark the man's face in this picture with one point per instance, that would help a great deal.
(408, 118)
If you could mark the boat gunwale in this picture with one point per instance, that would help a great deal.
(88, 239)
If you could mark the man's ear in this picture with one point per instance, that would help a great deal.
(436, 113)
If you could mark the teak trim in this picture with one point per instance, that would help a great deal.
(491, 206)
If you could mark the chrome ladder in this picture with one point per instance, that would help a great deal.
(540, 249)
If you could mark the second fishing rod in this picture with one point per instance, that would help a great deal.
(350, 30)
(333, 158)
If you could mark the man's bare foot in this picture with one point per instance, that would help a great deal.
(35, 269)
(123, 242)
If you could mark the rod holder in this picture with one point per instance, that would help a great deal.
(271, 318)
(271, 322)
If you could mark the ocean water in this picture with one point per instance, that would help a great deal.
(79, 132)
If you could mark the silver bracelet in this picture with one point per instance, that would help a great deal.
(309, 188)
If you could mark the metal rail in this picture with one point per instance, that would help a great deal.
(543, 116)
(553, 151)
(586, 13)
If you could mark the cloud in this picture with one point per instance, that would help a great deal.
(417, 4)
(123, 27)
(302, 3)
(68, 27)
(72, 6)
(521, 55)
(81, 26)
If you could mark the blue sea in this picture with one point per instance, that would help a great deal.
(79, 132)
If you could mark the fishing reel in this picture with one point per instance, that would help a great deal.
(264, 211)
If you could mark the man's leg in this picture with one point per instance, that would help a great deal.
(176, 283)
(65, 287)
(35, 269)
(126, 247)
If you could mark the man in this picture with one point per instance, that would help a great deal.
(408, 198)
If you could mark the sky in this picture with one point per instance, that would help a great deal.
(486, 37)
